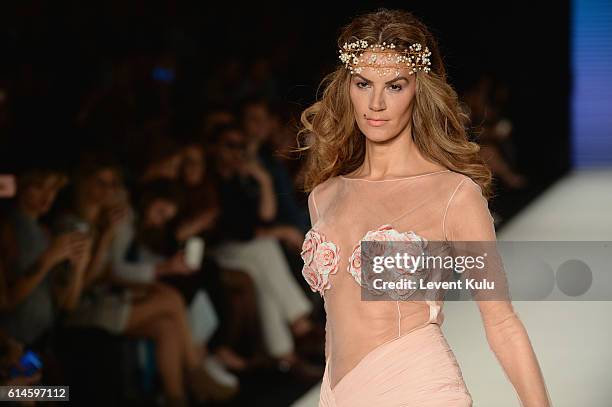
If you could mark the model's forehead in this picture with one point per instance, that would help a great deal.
(383, 73)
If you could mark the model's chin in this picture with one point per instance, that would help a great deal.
(378, 135)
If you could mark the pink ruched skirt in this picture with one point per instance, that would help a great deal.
(418, 370)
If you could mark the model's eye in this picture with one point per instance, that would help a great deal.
(394, 87)
(362, 85)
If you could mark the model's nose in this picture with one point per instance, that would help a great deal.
(377, 101)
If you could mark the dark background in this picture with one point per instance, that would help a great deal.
(55, 52)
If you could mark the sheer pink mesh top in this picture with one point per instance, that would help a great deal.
(342, 210)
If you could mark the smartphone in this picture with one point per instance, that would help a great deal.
(82, 227)
(29, 364)
(74, 225)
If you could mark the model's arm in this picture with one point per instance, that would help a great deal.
(314, 217)
(468, 219)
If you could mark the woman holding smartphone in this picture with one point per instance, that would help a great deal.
(138, 308)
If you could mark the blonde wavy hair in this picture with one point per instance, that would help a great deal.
(439, 120)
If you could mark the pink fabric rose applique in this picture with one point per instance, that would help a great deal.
(321, 258)
(384, 233)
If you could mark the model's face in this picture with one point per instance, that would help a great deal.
(382, 104)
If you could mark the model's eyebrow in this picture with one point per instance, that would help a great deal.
(399, 78)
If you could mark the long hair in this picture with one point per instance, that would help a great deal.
(439, 120)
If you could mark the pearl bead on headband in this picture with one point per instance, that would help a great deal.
(384, 57)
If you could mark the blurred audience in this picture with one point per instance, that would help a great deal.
(486, 101)
(131, 307)
(232, 290)
(291, 222)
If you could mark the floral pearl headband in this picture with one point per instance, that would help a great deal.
(384, 57)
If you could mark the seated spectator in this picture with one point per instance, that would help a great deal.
(246, 196)
(43, 273)
(163, 162)
(158, 204)
(291, 221)
(198, 215)
(137, 307)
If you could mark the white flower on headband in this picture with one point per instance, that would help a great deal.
(384, 56)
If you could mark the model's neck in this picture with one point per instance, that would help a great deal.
(394, 158)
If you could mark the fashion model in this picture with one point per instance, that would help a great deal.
(389, 159)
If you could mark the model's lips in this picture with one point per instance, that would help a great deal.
(376, 122)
